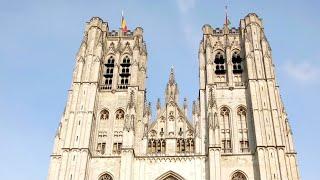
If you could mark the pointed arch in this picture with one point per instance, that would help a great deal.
(124, 72)
(127, 49)
(243, 128)
(170, 175)
(104, 114)
(119, 114)
(236, 62)
(111, 48)
(225, 127)
(220, 62)
(108, 72)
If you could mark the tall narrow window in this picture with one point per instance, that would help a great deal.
(156, 145)
(117, 147)
(109, 73)
(225, 130)
(219, 61)
(237, 62)
(185, 145)
(101, 148)
(189, 145)
(124, 73)
(243, 129)
(179, 145)
(152, 145)
(163, 145)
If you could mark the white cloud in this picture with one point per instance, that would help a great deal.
(185, 5)
(191, 36)
(302, 71)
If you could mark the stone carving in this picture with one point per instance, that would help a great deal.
(129, 122)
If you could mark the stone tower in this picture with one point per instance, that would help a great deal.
(238, 129)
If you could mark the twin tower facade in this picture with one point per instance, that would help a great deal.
(239, 129)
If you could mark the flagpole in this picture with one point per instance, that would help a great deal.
(121, 19)
(226, 13)
(121, 30)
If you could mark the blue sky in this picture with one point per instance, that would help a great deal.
(39, 40)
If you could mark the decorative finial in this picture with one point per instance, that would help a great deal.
(185, 104)
(193, 107)
(149, 108)
(158, 103)
(212, 98)
(172, 78)
(131, 100)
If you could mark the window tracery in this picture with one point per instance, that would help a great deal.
(104, 115)
(219, 61)
(185, 145)
(243, 129)
(238, 176)
(237, 62)
(101, 148)
(109, 72)
(119, 114)
(105, 177)
(125, 73)
(226, 145)
(156, 145)
(117, 147)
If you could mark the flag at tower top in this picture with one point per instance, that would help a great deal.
(124, 27)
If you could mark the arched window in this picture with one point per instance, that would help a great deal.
(117, 147)
(101, 147)
(225, 130)
(189, 145)
(152, 145)
(185, 145)
(237, 62)
(179, 145)
(105, 177)
(238, 176)
(109, 72)
(161, 146)
(104, 115)
(220, 63)
(119, 114)
(125, 73)
(243, 129)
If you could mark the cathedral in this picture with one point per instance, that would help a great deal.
(238, 130)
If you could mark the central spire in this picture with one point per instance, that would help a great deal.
(172, 91)
(171, 77)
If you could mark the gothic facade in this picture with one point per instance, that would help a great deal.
(239, 129)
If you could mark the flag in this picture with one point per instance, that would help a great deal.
(124, 27)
